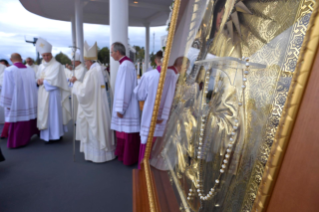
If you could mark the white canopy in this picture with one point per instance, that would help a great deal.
(154, 12)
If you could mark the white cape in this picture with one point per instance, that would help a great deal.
(94, 115)
(53, 73)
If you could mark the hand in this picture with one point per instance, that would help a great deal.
(73, 79)
(159, 121)
(40, 81)
(120, 115)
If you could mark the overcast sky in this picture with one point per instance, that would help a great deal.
(16, 23)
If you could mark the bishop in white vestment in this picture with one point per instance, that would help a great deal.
(79, 73)
(93, 127)
(126, 113)
(19, 95)
(53, 103)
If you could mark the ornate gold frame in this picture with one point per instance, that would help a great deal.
(295, 95)
(148, 175)
(290, 111)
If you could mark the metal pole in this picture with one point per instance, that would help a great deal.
(74, 48)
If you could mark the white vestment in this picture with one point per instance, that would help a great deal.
(53, 102)
(94, 117)
(34, 67)
(79, 73)
(20, 94)
(149, 69)
(125, 101)
(68, 73)
(2, 67)
(146, 91)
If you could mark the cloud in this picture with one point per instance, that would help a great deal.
(18, 24)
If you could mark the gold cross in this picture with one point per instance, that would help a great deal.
(41, 45)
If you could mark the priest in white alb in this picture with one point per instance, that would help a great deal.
(126, 112)
(19, 96)
(93, 127)
(53, 102)
(79, 73)
(30, 63)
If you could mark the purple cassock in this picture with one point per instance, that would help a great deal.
(21, 132)
(19, 97)
(127, 147)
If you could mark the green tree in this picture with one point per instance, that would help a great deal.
(104, 55)
(152, 59)
(140, 53)
(62, 58)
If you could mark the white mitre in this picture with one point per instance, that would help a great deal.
(77, 55)
(43, 46)
(90, 53)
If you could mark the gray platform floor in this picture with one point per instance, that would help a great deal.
(43, 178)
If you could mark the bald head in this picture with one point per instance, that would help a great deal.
(181, 63)
(16, 58)
(180, 60)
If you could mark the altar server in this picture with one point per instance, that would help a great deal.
(30, 63)
(93, 127)
(19, 96)
(146, 91)
(126, 113)
(53, 103)
(157, 60)
(79, 74)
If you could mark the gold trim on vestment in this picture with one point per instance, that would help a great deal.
(90, 58)
(149, 180)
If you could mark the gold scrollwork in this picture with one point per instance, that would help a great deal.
(299, 81)
(290, 63)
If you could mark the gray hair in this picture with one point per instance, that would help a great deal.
(117, 46)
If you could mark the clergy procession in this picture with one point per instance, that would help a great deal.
(42, 100)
